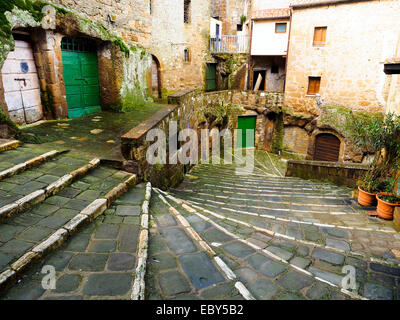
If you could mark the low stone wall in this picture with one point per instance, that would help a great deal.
(134, 147)
(183, 108)
(338, 173)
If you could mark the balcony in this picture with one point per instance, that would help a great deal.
(230, 44)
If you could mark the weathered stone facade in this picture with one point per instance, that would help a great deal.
(229, 12)
(170, 36)
(195, 110)
(127, 35)
(350, 63)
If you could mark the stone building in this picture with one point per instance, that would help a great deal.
(335, 72)
(77, 57)
(269, 42)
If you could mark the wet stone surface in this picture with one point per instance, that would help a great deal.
(98, 262)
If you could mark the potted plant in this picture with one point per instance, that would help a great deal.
(383, 137)
(388, 200)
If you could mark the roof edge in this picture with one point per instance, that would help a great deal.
(325, 3)
(271, 18)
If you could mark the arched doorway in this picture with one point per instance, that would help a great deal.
(327, 148)
(155, 78)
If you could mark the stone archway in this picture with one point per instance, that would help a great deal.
(155, 78)
(334, 136)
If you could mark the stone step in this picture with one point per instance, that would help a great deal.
(265, 269)
(6, 144)
(34, 186)
(33, 234)
(325, 261)
(179, 266)
(21, 167)
(313, 232)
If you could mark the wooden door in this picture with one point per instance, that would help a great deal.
(246, 123)
(211, 77)
(327, 148)
(21, 85)
(80, 70)
(155, 81)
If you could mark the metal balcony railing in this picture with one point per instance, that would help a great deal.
(230, 44)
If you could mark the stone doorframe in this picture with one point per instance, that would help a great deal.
(46, 46)
(312, 140)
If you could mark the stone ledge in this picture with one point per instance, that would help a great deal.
(40, 195)
(55, 240)
(6, 145)
(139, 131)
(340, 173)
(139, 282)
(346, 165)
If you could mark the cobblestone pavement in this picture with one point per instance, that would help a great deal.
(22, 232)
(284, 238)
(18, 186)
(92, 135)
(96, 263)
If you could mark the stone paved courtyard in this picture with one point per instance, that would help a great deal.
(97, 134)
(218, 235)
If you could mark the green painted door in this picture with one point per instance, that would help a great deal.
(245, 123)
(80, 70)
(211, 77)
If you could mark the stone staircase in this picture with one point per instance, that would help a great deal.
(286, 238)
(76, 215)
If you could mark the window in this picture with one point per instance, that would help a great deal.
(319, 36)
(239, 27)
(280, 27)
(313, 85)
(274, 69)
(186, 11)
(186, 55)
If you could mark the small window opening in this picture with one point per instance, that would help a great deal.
(274, 69)
(186, 55)
(186, 13)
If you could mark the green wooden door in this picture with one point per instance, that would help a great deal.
(245, 123)
(211, 77)
(80, 70)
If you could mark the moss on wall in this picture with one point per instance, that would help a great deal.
(220, 115)
(136, 60)
(279, 133)
(12, 127)
(228, 66)
(346, 121)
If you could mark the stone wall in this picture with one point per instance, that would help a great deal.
(338, 173)
(132, 17)
(229, 12)
(123, 68)
(232, 70)
(186, 108)
(170, 36)
(350, 64)
(127, 33)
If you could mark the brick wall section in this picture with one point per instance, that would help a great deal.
(351, 63)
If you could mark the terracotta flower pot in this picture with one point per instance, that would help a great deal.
(385, 209)
(366, 199)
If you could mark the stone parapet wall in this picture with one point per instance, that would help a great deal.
(338, 173)
(184, 109)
